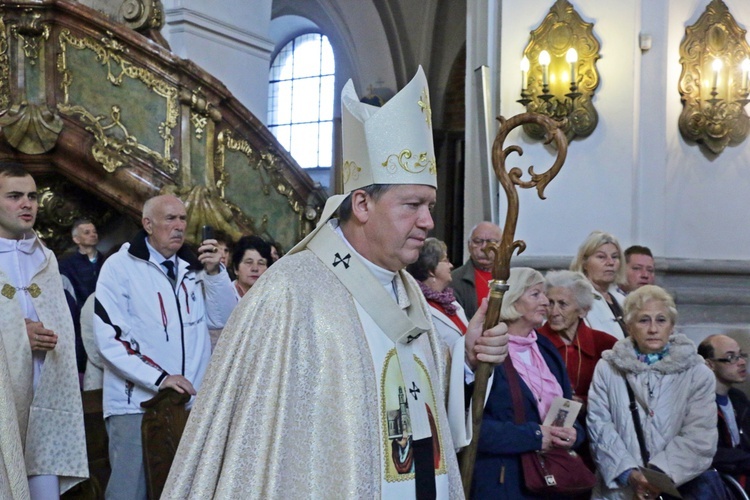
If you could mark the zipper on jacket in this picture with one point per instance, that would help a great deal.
(163, 315)
(179, 314)
(182, 327)
(187, 302)
(182, 333)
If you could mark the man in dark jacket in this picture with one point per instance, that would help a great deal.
(82, 268)
(729, 364)
(470, 281)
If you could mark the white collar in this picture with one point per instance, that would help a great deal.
(26, 245)
(157, 256)
(384, 276)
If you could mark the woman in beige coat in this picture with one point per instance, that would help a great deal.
(674, 393)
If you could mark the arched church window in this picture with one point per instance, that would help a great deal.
(300, 99)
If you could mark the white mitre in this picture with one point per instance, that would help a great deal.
(384, 145)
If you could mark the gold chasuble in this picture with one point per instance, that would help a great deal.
(294, 403)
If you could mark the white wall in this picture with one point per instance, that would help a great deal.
(227, 38)
(593, 190)
(635, 176)
(707, 197)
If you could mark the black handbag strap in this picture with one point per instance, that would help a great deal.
(637, 422)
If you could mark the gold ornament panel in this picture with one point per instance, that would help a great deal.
(128, 109)
(253, 179)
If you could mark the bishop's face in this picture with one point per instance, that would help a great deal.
(397, 225)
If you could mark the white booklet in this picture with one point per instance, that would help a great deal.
(562, 413)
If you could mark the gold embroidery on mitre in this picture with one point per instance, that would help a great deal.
(34, 290)
(8, 291)
(350, 171)
(424, 103)
(401, 160)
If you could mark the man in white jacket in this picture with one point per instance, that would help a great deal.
(155, 301)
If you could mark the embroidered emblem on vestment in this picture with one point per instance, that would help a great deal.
(339, 260)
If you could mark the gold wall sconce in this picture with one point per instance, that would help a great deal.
(558, 72)
(713, 85)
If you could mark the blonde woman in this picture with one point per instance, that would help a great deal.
(599, 258)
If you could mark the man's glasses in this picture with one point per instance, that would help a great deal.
(732, 358)
(478, 242)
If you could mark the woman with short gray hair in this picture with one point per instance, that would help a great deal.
(432, 270)
(570, 297)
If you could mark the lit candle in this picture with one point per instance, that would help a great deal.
(716, 65)
(544, 60)
(745, 73)
(524, 72)
(572, 58)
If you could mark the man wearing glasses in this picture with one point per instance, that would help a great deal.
(729, 364)
(471, 281)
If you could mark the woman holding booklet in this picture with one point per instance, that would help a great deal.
(543, 379)
(667, 438)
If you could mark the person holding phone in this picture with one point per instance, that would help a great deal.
(155, 301)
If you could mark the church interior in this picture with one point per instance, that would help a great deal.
(635, 175)
(113, 101)
(110, 102)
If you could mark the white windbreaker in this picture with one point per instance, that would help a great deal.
(146, 330)
(676, 402)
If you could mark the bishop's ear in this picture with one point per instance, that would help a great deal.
(361, 205)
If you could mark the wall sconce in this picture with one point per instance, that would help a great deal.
(713, 85)
(558, 72)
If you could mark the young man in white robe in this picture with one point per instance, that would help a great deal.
(41, 418)
(330, 380)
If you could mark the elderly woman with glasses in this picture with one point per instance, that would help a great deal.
(673, 426)
(599, 258)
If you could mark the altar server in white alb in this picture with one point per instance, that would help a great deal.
(42, 440)
(329, 381)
